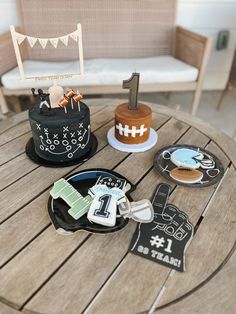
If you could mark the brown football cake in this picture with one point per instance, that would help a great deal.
(132, 126)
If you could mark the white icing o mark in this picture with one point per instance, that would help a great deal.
(166, 154)
(212, 173)
(68, 147)
(55, 136)
(65, 135)
(56, 142)
(41, 147)
(72, 134)
(65, 128)
(70, 155)
(65, 142)
(52, 147)
(74, 141)
(48, 141)
(80, 138)
(38, 126)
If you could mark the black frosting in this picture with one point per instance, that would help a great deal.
(60, 136)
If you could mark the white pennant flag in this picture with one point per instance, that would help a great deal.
(54, 42)
(32, 41)
(43, 42)
(20, 38)
(74, 35)
(65, 39)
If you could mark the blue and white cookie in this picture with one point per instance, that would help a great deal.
(186, 158)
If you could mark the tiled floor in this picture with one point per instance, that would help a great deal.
(225, 119)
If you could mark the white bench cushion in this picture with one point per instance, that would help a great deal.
(163, 69)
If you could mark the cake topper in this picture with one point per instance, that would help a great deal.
(70, 96)
(43, 99)
(132, 84)
(56, 90)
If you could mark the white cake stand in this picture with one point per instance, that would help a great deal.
(131, 148)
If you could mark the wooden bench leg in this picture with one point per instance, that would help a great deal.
(196, 100)
(16, 104)
(3, 103)
(222, 96)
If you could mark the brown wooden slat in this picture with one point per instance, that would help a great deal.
(13, 149)
(177, 131)
(14, 132)
(89, 267)
(8, 230)
(143, 288)
(217, 296)
(8, 123)
(5, 309)
(214, 239)
(15, 169)
(104, 160)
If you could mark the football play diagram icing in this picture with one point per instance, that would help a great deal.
(68, 141)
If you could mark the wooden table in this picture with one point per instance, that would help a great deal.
(43, 272)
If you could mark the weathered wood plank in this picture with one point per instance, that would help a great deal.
(216, 296)
(14, 132)
(141, 187)
(96, 162)
(8, 244)
(15, 169)
(5, 309)
(151, 275)
(47, 252)
(12, 121)
(214, 239)
(138, 164)
(14, 148)
(90, 271)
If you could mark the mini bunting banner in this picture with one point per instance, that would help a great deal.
(65, 39)
(32, 41)
(54, 42)
(74, 35)
(20, 38)
(43, 42)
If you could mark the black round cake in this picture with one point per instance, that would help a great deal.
(59, 136)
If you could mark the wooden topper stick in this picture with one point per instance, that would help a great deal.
(132, 84)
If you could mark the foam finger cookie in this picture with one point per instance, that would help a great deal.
(186, 175)
(187, 158)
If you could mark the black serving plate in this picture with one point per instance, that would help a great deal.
(210, 176)
(30, 152)
(82, 181)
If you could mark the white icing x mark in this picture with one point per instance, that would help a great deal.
(55, 136)
(65, 128)
(45, 130)
(38, 126)
(79, 132)
(72, 134)
(81, 125)
(65, 135)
